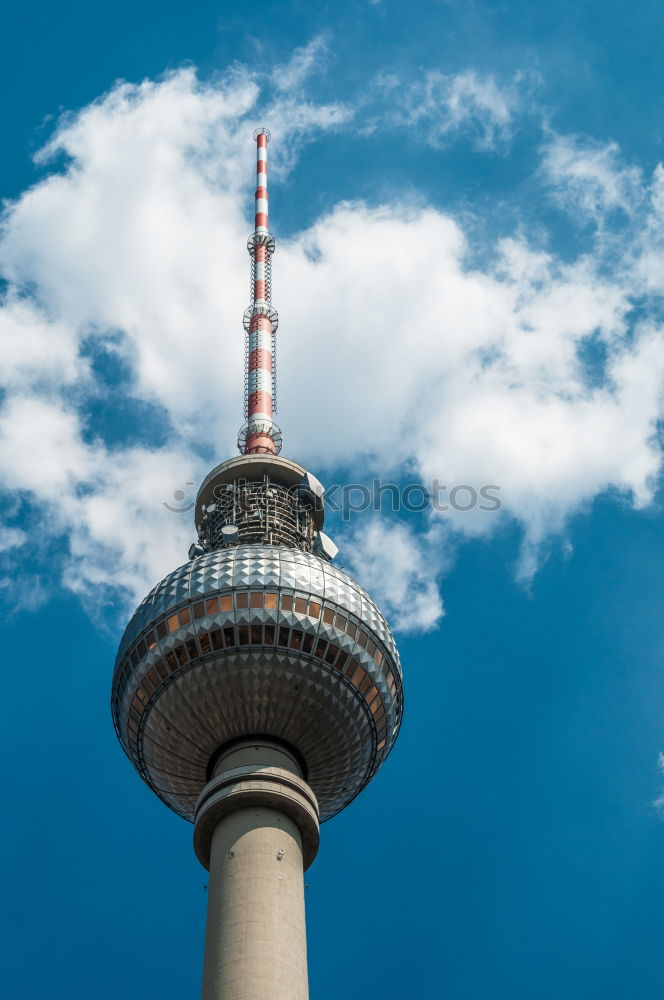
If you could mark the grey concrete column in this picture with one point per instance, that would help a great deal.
(256, 830)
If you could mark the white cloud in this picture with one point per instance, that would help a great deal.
(303, 62)
(528, 372)
(137, 246)
(480, 379)
(35, 351)
(589, 179)
(659, 801)
(401, 569)
(442, 105)
(11, 538)
(109, 506)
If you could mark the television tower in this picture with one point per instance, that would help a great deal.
(257, 688)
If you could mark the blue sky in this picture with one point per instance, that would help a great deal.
(470, 215)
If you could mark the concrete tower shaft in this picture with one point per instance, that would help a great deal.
(256, 831)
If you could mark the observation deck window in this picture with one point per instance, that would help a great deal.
(307, 642)
(331, 654)
(365, 684)
(358, 677)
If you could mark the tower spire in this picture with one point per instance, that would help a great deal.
(260, 434)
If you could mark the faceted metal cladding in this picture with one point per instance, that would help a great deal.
(257, 640)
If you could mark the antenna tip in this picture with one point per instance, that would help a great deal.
(263, 131)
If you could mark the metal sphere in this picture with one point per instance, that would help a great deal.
(257, 640)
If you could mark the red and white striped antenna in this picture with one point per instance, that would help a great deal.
(260, 435)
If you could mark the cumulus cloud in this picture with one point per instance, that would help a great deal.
(400, 567)
(137, 248)
(528, 372)
(522, 375)
(35, 351)
(106, 505)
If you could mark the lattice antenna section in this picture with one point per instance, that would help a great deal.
(260, 434)
(262, 511)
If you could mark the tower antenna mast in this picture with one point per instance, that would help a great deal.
(260, 435)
